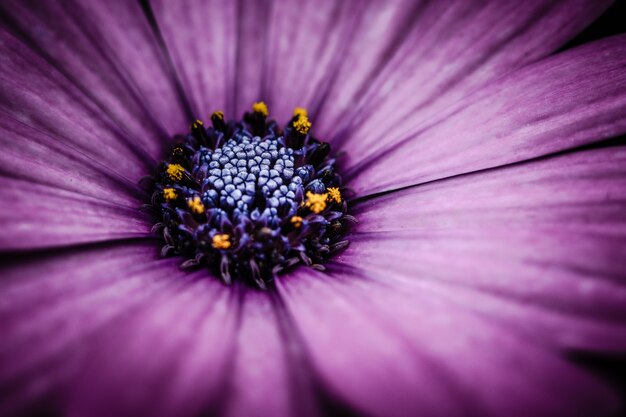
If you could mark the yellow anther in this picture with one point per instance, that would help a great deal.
(300, 111)
(296, 221)
(175, 172)
(316, 202)
(261, 108)
(302, 125)
(196, 124)
(218, 115)
(221, 241)
(170, 194)
(196, 205)
(334, 194)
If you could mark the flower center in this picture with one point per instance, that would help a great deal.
(249, 200)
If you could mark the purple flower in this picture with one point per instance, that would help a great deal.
(489, 189)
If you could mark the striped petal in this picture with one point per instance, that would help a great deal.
(390, 353)
(540, 246)
(573, 99)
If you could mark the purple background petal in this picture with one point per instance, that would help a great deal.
(171, 357)
(51, 304)
(544, 239)
(202, 38)
(440, 54)
(390, 353)
(572, 99)
(108, 51)
(50, 217)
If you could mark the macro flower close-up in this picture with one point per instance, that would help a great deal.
(312, 208)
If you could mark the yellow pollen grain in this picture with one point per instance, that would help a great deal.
(218, 114)
(316, 202)
(196, 205)
(302, 125)
(334, 194)
(300, 111)
(221, 241)
(261, 108)
(296, 221)
(170, 194)
(175, 172)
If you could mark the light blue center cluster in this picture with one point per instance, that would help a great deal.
(251, 176)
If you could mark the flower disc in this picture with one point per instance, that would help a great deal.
(248, 199)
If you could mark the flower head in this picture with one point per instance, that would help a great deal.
(250, 189)
(159, 257)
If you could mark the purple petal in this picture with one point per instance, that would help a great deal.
(542, 245)
(261, 383)
(202, 39)
(307, 43)
(232, 54)
(251, 42)
(31, 155)
(361, 363)
(312, 53)
(442, 52)
(39, 216)
(91, 74)
(57, 194)
(38, 97)
(52, 303)
(409, 59)
(439, 52)
(573, 99)
(389, 353)
(171, 357)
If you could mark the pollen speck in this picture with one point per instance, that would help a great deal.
(316, 202)
(302, 125)
(170, 194)
(261, 108)
(178, 152)
(296, 221)
(175, 172)
(300, 111)
(334, 194)
(221, 241)
(196, 205)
